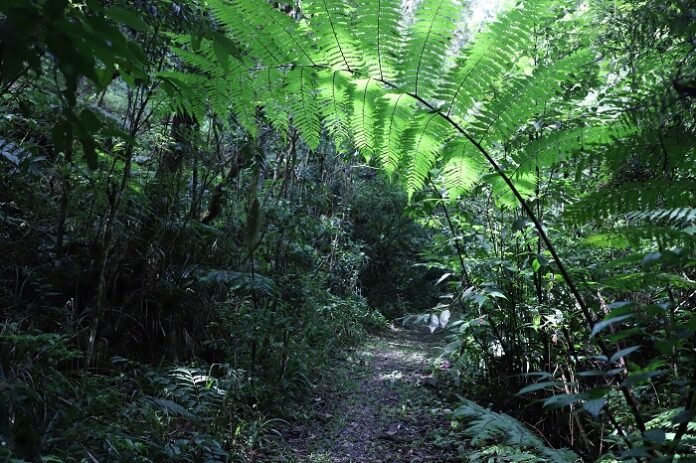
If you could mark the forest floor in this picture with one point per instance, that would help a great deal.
(380, 404)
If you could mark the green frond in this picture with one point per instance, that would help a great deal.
(302, 84)
(463, 166)
(627, 237)
(278, 116)
(331, 23)
(189, 95)
(335, 100)
(271, 92)
(560, 145)
(674, 216)
(428, 40)
(431, 132)
(377, 28)
(486, 427)
(397, 112)
(285, 31)
(631, 198)
(524, 98)
(203, 61)
(243, 96)
(503, 196)
(252, 31)
(365, 122)
(484, 64)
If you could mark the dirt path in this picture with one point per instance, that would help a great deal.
(378, 406)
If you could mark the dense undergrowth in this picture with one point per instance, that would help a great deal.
(194, 216)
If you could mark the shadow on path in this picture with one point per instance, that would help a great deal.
(378, 406)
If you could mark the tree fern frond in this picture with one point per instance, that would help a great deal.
(243, 96)
(302, 84)
(631, 236)
(335, 92)
(632, 197)
(279, 117)
(676, 216)
(397, 110)
(250, 31)
(463, 166)
(285, 31)
(200, 61)
(525, 184)
(191, 96)
(525, 97)
(430, 132)
(331, 22)
(558, 146)
(377, 29)
(427, 42)
(491, 55)
(365, 122)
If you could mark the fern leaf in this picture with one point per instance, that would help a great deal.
(632, 197)
(485, 426)
(377, 29)
(243, 96)
(249, 29)
(396, 115)
(559, 146)
(431, 132)
(335, 93)
(331, 22)
(365, 122)
(484, 64)
(503, 196)
(190, 96)
(285, 31)
(427, 43)
(302, 83)
(463, 166)
(524, 98)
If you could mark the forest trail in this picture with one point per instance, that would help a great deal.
(378, 405)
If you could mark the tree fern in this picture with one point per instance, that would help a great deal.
(283, 29)
(463, 166)
(483, 64)
(335, 99)
(189, 95)
(525, 97)
(331, 23)
(630, 198)
(397, 111)
(243, 93)
(377, 29)
(557, 146)
(525, 184)
(271, 86)
(302, 84)
(365, 122)
(430, 133)
(427, 42)
(264, 40)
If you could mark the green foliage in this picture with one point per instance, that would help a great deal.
(181, 184)
(505, 437)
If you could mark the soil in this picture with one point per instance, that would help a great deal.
(381, 404)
